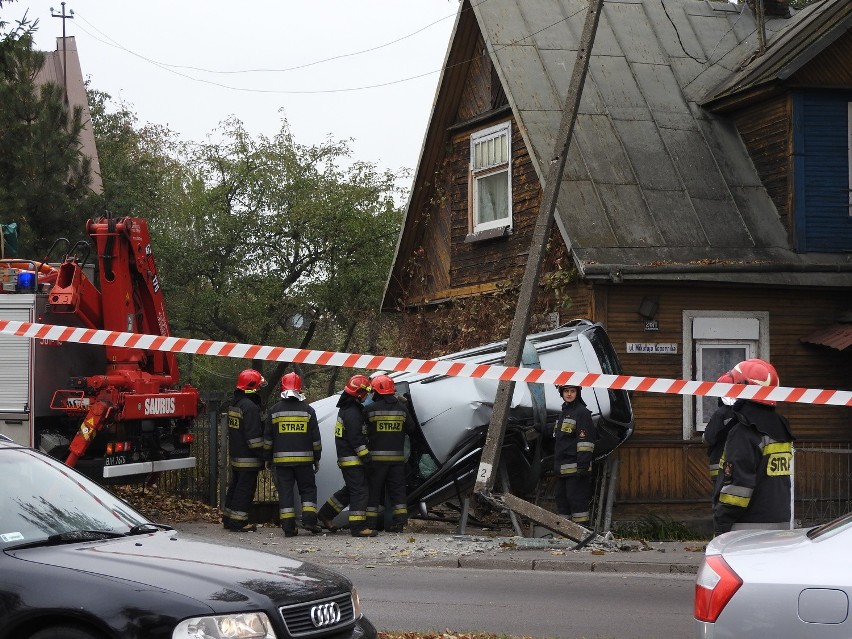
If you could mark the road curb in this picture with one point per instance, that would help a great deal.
(560, 565)
(501, 563)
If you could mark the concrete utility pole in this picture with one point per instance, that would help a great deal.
(760, 14)
(64, 16)
(485, 477)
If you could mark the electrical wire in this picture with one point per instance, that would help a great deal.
(172, 68)
(117, 45)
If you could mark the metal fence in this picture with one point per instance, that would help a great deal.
(822, 482)
(822, 477)
(208, 481)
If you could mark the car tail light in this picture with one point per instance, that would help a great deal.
(715, 585)
(109, 449)
(186, 438)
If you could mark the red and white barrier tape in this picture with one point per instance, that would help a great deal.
(430, 366)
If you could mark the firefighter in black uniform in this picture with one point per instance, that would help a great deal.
(574, 449)
(245, 451)
(293, 436)
(353, 455)
(753, 489)
(388, 422)
(716, 432)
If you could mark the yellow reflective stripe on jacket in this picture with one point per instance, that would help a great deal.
(733, 500)
(290, 422)
(736, 496)
(778, 447)
(387, 421)
(779, 462)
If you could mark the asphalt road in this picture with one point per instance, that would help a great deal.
(433, 582)
(526, 603)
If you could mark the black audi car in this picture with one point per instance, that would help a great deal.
(78, 563)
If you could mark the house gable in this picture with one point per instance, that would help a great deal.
(51, 72)
(439, 255)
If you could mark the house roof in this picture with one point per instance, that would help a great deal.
(655, 185)
(795, 44)
(837, 336)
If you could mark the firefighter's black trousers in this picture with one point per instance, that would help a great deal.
(353, 494)
(239, 497)
(288, 477)
(390, 479)
(574, 497)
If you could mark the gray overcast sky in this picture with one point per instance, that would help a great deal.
(143, 52)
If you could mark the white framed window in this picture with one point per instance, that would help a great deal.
(713, 342)
(491, 178)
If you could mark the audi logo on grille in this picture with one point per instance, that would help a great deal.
(324, 615)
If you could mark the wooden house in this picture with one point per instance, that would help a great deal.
(704, 216)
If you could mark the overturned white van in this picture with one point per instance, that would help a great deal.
(452, 415)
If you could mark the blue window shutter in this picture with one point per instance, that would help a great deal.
(821, 168)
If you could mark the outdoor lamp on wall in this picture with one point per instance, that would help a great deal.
(648, 308)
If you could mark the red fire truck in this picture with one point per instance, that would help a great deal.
(114, 413)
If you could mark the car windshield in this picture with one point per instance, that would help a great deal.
(40, 497)
(831, 528)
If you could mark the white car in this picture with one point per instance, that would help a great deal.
(783, 584)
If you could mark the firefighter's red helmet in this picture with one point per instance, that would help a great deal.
(383, 385)
(757, 372)
(358, 386)
(250, 381)
(291, 382)
(291, 386)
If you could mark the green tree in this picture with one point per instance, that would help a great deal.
(44, 177)
(257, 240)
(141, 165)
(279, 243)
